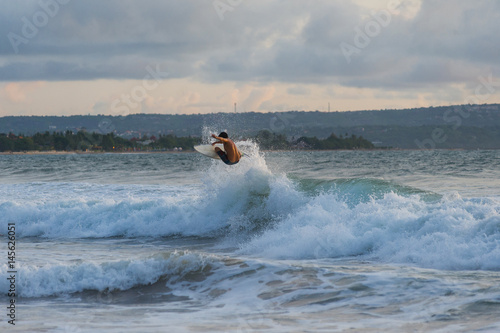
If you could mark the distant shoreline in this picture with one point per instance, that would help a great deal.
(54, 152)
(467, 126)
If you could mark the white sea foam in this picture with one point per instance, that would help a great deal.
(284, 218)
(356, 244)
(81, 210)
(452, 233)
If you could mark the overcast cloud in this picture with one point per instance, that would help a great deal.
(350, 44)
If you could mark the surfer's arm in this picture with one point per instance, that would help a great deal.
(219, 139)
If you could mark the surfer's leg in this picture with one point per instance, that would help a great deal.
(223, 156)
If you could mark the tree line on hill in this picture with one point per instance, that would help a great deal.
(270, 140)
(462, 126)
(84, 141)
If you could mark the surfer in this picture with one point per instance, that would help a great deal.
(231, 155)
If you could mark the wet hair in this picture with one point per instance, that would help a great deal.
(223, 135)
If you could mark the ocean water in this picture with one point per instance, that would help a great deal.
(332, 241)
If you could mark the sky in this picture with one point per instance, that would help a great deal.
(119, 57)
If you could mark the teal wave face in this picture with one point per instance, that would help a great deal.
(357, 190)
(274, 211)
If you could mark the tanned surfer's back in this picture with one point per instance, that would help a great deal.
(231, 155)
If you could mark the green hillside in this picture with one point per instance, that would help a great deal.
(464, 126)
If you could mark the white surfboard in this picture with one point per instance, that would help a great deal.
(209, 150)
